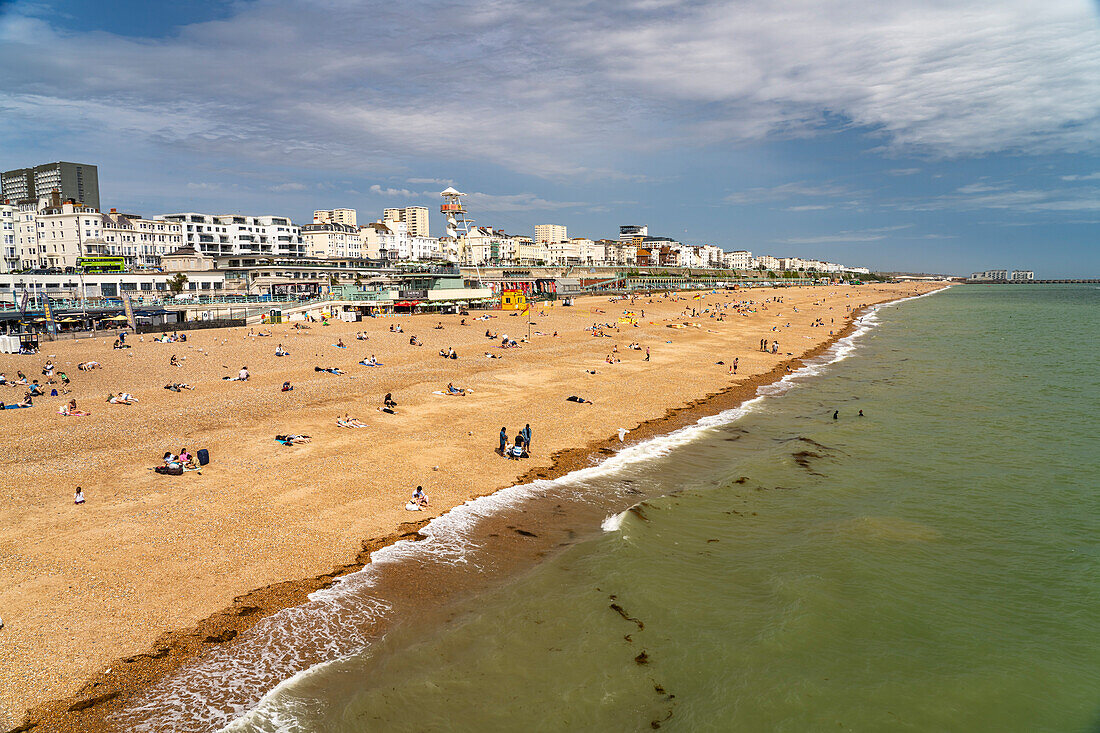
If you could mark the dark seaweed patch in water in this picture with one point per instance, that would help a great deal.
(525, 533)
(803, 457)
(741, 480)
(642, 658)
(637, 511)
(619, 610)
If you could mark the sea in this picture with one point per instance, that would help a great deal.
(902, 535)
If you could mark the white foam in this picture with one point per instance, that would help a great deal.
(614, 522)
(266, 659)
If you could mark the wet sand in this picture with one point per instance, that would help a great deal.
(85, 586)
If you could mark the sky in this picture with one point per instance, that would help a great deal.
(944, 136)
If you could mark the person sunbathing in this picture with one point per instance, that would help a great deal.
(177, 386)
(340, 344)
(122, 398)
(36, 390)
(21, 378)
(493, 356)
(330, 370)
(280, 351)
(581, 400)
(438, 327)
(26, 401)
(287, 386)
(414, 341)
(87, 366)
(3, 379)
(174, 361)
(360, 336)
(453, 390)
(350, 422)
(292, 439)
(370, 362)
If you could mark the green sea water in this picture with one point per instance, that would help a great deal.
(931, 566)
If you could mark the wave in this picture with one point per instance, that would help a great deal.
(224, 688)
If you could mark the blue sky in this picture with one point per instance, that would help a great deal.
(942, 136)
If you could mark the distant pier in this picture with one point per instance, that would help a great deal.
(1031, 282)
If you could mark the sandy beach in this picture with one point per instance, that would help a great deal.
(84, 586)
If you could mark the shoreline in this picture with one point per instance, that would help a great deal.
(105, 692)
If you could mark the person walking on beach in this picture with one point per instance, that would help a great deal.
(526, 433)
(646, 354)
(503, 440)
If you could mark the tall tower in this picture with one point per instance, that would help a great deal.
(452, 208)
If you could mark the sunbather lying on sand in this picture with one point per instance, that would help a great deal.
(350, 422)
(453, 390)
(122, 398)
(292, 439)
(330, 370)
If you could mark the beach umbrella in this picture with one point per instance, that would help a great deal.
(68, 320)
(117, 318)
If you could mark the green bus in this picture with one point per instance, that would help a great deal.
(100, 263)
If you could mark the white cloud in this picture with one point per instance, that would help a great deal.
(391, 192)
(786, 191)
(864, 235)
(1086, 177)
(438, 181)
(287, 187)
(608, 82)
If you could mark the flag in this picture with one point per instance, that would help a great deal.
(51, 322)
(26, 300)
(129, 308)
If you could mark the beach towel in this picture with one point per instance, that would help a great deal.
(367, 363)
(452, 394)
(340, 347)
(14, 407)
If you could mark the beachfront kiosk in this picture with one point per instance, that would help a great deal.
(513, 300)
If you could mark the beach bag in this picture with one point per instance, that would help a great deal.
(53, 393)
(204, 456)
(174, 470)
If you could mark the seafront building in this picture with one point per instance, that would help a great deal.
(1022, 275)
(76, 181)
(335, 216)
(415, 219)
(233, 234)
(550, 233)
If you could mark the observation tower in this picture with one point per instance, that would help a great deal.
(452, 208)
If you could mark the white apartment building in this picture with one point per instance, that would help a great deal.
(765, 262)
(230, 234)
(9, 253)
(391, 240)
(335, 216)
(141, 242)
(551, 233)
(738, 259)
(1020, 275)
(50, 235)
(619, 253)
(332, 239)
(415, 219)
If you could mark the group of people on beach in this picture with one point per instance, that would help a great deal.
(521, 448)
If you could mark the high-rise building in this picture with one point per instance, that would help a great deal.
(632, 232)
(76, 181)
(335, 216)
(551, 233)
(415, 219)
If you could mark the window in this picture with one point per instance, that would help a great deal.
(147, 286)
